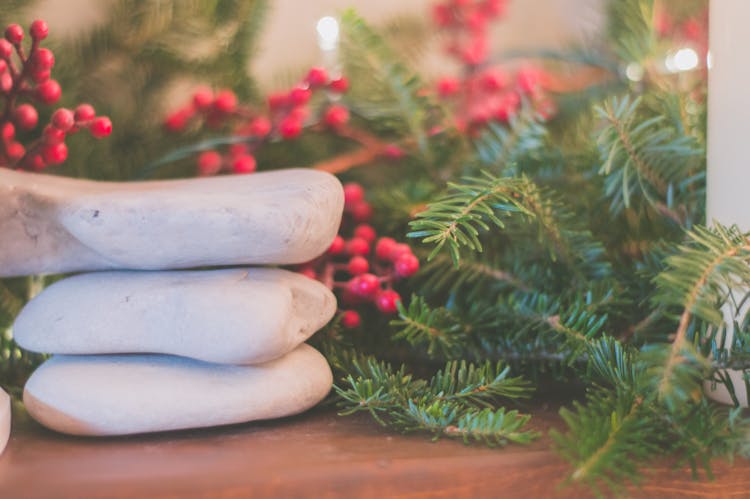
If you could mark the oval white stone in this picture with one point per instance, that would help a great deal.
(233, 316)
(4, 419)
(121, 395)
(54, 225)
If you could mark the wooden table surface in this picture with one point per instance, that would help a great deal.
(317, 454)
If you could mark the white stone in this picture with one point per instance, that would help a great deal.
(235, 316)
(4, 419)
(121, 395)
(52, 224)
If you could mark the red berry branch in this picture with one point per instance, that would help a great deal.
(284, 117)
(360, 267)
(25, 81)
(483, 94)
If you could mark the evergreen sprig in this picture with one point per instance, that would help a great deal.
(467, 210)
(644, 158)
(457, 402)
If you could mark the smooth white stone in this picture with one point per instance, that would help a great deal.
(4, 419)
(54, 225)
(120, 395)
(234, 316)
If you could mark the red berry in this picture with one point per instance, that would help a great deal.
(6, 82)
(442, 15)
(238, 150)
(475, 52)
(35, 162)
(225, 102)
(40, 76)
(351, 319)
(384, 248)
(54, 154)
(387, 301)
(362, 212)
(317, 77)
(43, 59)
(209, 163)
(52, 134)
(479, 114)
(299, 96)
(299, 113)
(39, 30)
(353, 194)
(365, 232)
(3, 65)
(406, 265)
(25, 116)
(6, 49)
(358, 265)
(48, 92)
(399, 250)
(63, 119)
(14, 34)
(100, 127)
(336, 116)
(308, 272)
(392, 151)
(528, 79)
(278, 100)
(84, 112)
(260, 126)
(448, 86)
(337, 246)
(175, 122)
(7, 131)
(476, 20)
(15, 151)
(203, 98)
(493, 8)
(244, 164)
(358, 246)
(506, 110)
(365, 285)
(290, 127)
(339, 85)
(494, 80)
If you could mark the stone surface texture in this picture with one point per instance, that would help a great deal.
(236, 316)
(4, 419)
(121, 395)
(54, 225)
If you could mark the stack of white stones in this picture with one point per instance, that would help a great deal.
(139, 347)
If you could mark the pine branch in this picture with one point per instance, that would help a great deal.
(473, 385)
(630, 29)
(384, 91)
(697, 279)
(438, 329)
(457, 218)
(456, 402)
(506, 147)
(476, 272)
(608, 438)
(647, 159)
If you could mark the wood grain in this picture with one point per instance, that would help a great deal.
(318, 454)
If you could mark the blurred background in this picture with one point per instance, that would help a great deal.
(288, 40)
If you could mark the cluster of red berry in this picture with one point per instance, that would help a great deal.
(286, 116)
(27, 76)
(466, 24)
(359, 266)
(483, 95)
